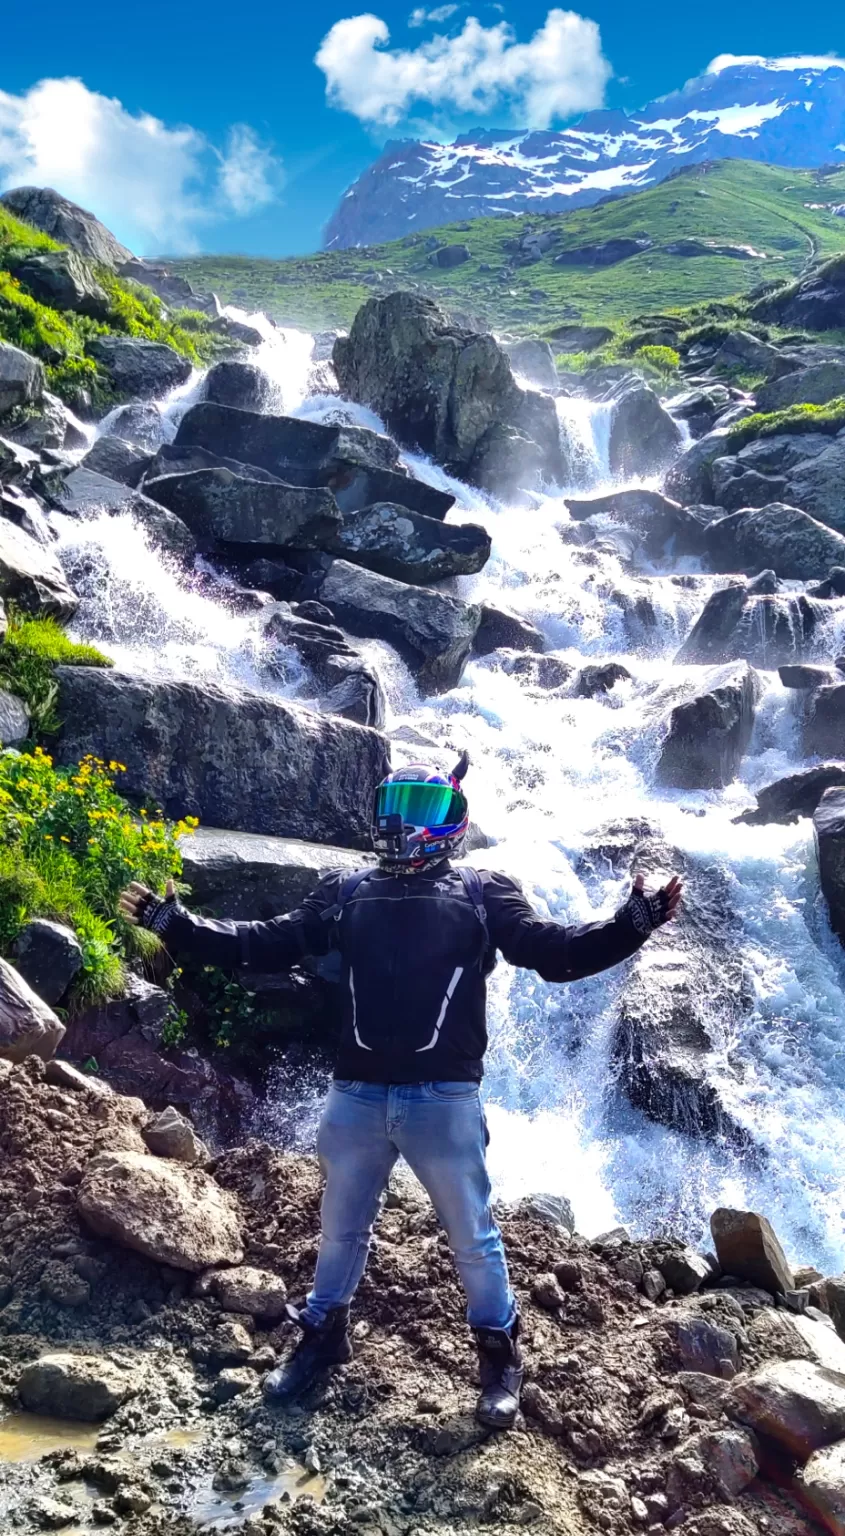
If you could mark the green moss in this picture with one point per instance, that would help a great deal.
(60, 338)
(30, 651)
(794, 419)
(136, 311)
(18, 239)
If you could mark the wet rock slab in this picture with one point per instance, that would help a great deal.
(710, 732)
(431, 630)
(243, 875)
(232, 757)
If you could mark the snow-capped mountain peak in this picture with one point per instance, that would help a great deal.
(787, 112)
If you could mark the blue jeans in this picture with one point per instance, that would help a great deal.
(439, 1129)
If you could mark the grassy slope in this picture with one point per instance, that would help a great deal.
(758, 205)
(60, 338)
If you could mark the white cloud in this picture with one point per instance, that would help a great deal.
(562, 70)
(153, 185)
(249, 173)
(800, 61)
(420, 17)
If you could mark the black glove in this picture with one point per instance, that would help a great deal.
(647, 912)
(157, 913)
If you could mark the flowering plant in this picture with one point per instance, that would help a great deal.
(69, 843)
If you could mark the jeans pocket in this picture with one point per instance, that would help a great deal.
(453, 1091)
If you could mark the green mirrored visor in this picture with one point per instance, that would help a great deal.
(421, 805)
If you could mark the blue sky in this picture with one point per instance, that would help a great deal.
(211, 127)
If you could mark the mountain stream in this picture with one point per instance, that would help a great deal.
(547, 771)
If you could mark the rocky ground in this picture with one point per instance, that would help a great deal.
(662, 1392)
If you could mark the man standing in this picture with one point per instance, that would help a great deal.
(418, 938)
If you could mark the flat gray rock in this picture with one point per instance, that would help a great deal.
(244, 875)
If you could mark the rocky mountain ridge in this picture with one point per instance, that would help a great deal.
(754, 110)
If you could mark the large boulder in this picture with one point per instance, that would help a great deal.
(145, 369)
(580, 338)
(48, 956)
(767, 629)
(795, 1403)
(31, 577)
(605, 253)
(298, 452)
(117, 459)
(363, 487)
(643, 436)
(28, 1026)
(690, 479)
(232, 757)
(815, 385)
(66, 222)
(683, 989)
(399, 543)
(439, 387)
(829, 828)
(172, 1213)
(816, 485)
(775, 537)
(14, 719)
(534, 361)
(659, 523)
(747, 1245)
(138, 423)
(710, 731)
(89, 1388)
(824, 726)
(176, 291)
(502, 629)
(448, 256)
(21, 378)
(63, 280)
(816, 301)
(242, 875)
(797, 795)
(431, 631)
(218, 505)
(821, 1486)
(85, 493)
(182, 459)
(240, 384)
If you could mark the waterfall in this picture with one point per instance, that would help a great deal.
(548, 770)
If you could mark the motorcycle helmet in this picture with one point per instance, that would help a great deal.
(420, 816)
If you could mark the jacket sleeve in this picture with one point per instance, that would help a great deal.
(270, 946)
(555, 952)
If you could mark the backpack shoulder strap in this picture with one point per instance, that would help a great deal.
(474, 887)
(346, 891)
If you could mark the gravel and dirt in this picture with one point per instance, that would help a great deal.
(632, 1419)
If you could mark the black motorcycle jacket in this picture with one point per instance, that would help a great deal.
(415, 960)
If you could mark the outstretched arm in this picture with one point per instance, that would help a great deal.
(272, 946)
(558, 953)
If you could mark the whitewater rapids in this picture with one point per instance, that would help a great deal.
(547, 772)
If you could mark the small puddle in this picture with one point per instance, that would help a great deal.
(27, 1436)
(215, 1510)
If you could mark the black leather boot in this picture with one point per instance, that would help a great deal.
(502, 1371)
(322, 1345)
